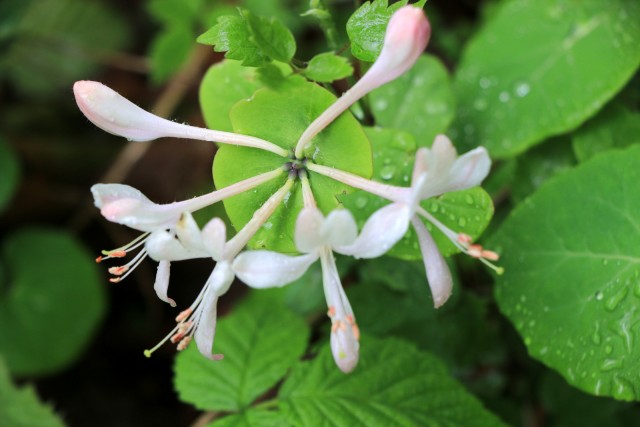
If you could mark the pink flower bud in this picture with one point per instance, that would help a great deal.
(406, 38)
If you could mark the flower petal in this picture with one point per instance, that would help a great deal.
(344, 331)
(161, 284)
(188, 232)
(217, 284)
(125, 205)
(470, 169)
(339, 228)
(265, 269)
(308, 226)
(438, 273)
(215, 237)
(382, 230)
(163, 246)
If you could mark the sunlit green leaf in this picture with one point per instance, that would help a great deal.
(327, 67)
(572, 265)
(281, 117)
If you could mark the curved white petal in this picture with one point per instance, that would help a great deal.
(421, 164)
(217, 284)
(382, 230)
(104, 194)
(265, 269)
(339, 228)
(125, 205)
(214, 236)
(345, 349)
(344, 331)
(438, 273)
(161, 284)
(162, 245)
(188, 232)
(115, 114)
(470, 169)
(308, 229)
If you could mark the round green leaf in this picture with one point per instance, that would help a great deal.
(51, 303)
(281, 117)
(540, 68)
(572, 274)
(467, 211)
(9, 173)
(223, 85)
(260, 341)
(420, 102)
(327, 67)
(393, 385)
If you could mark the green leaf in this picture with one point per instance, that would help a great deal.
(281, 117)
(20, 407)
(270, 35)
(168, 52)
(252, 418)
(260, 341)
(541, 68)
(9, 173)
(223, 85)
(178, 14)
(572, 266)
(467, 211)
(367, 25)
(252, 39)
(51, 304)
(327, 67)
(60, 41)
(232, 35)
(420, 102)
(614, 127)
(393, 385)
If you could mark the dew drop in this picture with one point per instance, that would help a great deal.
(613, 302)
(599, 296)
(267, 225)
(485, 82)
(469, 199)
(605, 261)
(622, 389)
(636, 289)
(527, 341)
(504, 97)
(433, 208)
(381, 104)
(480, 104)
(522, 89)
(462, 222)
(361, 202)
(596, 337)
(387, 172)
(608, 349)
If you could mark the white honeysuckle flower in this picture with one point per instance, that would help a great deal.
(187, 241)
(125, 205)
(436, 171)
(115, 114)
(405, 39)
(316, 237)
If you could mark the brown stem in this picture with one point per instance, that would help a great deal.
(204, 419)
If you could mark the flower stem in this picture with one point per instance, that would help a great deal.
(390, 192)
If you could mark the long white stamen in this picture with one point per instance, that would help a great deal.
(390, 192)
(240, 240)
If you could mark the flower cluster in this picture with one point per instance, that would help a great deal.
(169, 232)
